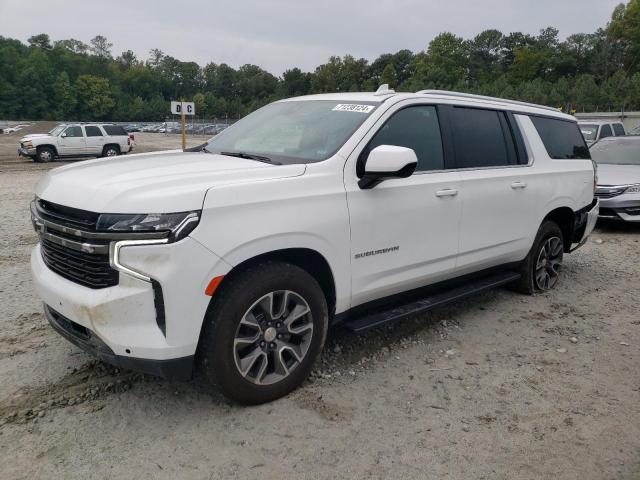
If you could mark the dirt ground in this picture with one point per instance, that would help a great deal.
(502, 386)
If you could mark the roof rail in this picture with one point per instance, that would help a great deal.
(483, 97)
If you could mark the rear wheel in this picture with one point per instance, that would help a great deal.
(541, 269)
(263, 332)
(111, 151)
(45, 154)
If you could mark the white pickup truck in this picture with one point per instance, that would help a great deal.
(351, 208)
(76, 140)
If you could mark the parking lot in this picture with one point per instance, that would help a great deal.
(502, 386)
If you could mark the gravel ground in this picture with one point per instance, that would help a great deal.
(502, 386)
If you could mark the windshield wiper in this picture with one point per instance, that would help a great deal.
(250, 156)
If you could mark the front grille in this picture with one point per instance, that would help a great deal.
(71, 246)
(87, 269)
(67, 216)
(74, 248)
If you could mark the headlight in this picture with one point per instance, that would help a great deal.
(633, 189)
(178, 225)
(28, 144)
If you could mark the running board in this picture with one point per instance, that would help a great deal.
(372, 320)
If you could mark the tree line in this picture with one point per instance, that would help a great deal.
(71, 80)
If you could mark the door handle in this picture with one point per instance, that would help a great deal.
(448, 192)
(517, 185)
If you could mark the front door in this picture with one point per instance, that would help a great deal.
(72, 141)
(404, 232)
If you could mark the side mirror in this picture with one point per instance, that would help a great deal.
(64, 135)
(385, 162)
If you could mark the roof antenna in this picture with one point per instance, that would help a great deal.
(384, 90)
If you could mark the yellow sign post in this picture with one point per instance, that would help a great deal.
(184, 135)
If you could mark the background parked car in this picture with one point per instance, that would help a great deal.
(618, 160)
(597, 130)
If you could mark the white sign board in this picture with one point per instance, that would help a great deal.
(189, 108)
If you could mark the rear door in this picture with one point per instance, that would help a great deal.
(404, 232)
(72, 141)
(95, 139)
(496, 192)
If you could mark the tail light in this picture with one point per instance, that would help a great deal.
(128, 140)
(132, 137)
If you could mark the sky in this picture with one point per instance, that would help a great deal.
(282, 34)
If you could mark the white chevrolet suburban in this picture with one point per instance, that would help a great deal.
(76, 140)
(353, 208)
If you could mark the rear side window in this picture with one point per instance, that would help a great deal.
(618, 128)
(416, 128)
(561, 138)
(114, 130)
(482, 138)
(93, 131)
(606, 131)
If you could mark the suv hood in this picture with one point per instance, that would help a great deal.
(152, 183)
(618, 174)
(35, 135)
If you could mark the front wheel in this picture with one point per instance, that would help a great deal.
(541, 269)
(45, 155)
(263, 332)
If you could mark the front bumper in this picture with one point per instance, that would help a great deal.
(26, 152)
(172, 369)
(624, 207)
(125, 317)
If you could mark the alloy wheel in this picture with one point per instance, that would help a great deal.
(549, 263)
(273, 337)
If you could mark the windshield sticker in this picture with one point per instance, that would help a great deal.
(351, 107)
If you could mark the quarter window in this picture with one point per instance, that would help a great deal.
(73, 132)
(416, 128)
(561, 138)
(93, 131)
(481, 138)
(115, 130)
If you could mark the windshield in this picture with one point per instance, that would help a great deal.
(56, 131)
(620, 152)
(293, 132)
(589, 132)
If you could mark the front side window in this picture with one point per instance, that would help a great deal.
(481, 139)
(93, 131)
(416, 128)
(73, 131)
(303, 131)
(589, 132)
(606, 131)
(618, 129)
(561, 138)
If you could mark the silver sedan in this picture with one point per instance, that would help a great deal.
(618, 188)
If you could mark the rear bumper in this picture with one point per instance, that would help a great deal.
(586, 220)
(85, 339)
